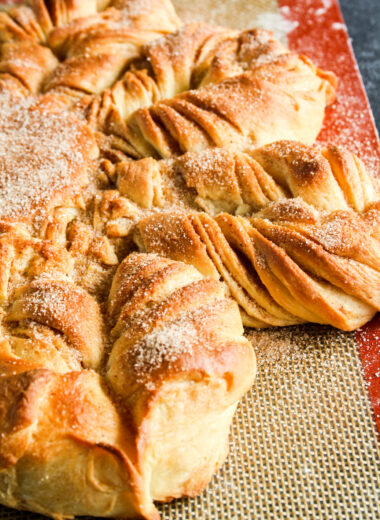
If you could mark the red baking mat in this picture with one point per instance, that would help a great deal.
(319, 31)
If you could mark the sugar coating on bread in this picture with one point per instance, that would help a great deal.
(44, 157)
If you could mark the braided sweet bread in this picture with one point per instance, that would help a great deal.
(122, 129)
(239, 82)
(218, 179)
(322, 241)
(73, 443)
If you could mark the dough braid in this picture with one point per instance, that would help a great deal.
(196, 55)
(236, 112)
(286, 264)
(218, 179)
(74, 48)
(177, 356)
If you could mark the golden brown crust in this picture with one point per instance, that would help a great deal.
(63, 306)
(218, 179)
(94, 62)
(20, 397)
(51, 427)
(249, 109)
(163, 297)
(29, 62)
(94, 47)
(140, 181)
(179, 118)
(194, 56)
(294, 252)
(50, 171)
(176, 329)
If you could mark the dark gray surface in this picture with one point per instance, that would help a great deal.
(362, 18)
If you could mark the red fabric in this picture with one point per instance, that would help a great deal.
(319, 32)
(368, 339)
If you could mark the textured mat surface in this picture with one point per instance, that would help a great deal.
(303, 443)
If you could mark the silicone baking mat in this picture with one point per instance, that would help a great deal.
(304, 443)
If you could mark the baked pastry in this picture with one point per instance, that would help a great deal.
(311, 228)
(77, 47)
(45, 160)
(247, 90)
(154, 427)
(120, 371)
(219, 179)
(194, 56)
(285, 265)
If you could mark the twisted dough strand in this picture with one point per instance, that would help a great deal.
(177, 342)
(93, 44)
(82, 467)
(236, 112)
(194, 56)
(218, 180)
(176, 337)
(319, 267)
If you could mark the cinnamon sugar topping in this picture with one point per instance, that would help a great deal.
(38, 155)
(166, 344)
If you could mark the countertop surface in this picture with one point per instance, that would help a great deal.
(363, 22)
